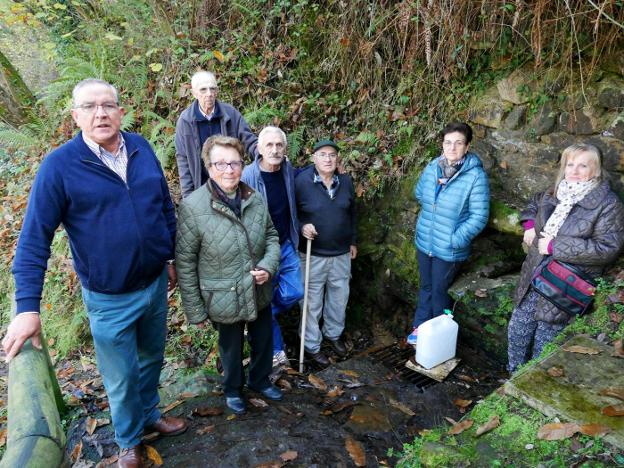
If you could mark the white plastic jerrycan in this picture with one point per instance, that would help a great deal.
(437, 340)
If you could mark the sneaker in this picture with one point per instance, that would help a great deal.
(413, 337)
(280, 359)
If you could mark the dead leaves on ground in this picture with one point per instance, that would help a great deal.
(561, 431)
(258, 403)
(205, 430)
(317, 382)
(401, 407)
(618, 349)
(613, 410)
(284, 458)
(153, 455)
(581, 349)
(170, 406)
(460, 427)
(493, 423)
(613, 392)
(462, 404)
(356, 451)
(556, 371)
(206, 411)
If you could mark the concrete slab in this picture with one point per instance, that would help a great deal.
(575, 395)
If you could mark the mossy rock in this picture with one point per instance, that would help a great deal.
(504, 218)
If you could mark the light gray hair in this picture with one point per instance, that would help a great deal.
(89, 82)
(202, 75)
(272, 129)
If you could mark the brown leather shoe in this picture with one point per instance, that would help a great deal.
(167, 426)
(131, 457)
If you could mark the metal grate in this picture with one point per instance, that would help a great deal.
(394, 358)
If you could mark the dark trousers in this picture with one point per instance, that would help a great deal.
(231, 340)
(436, 277)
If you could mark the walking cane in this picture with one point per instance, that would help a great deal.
(306, 283)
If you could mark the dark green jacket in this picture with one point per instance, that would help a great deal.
(215, 252)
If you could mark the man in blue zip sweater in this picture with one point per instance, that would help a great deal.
(107, 189)
(274, 177)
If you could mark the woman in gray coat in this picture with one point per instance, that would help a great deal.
(579, 221)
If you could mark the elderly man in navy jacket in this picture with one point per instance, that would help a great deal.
(107, 189)
(204, 118)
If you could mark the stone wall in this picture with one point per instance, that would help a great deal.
(524, 122)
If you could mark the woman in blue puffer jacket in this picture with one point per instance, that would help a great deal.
(454, 196)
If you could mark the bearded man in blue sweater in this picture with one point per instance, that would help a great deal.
(107, 189)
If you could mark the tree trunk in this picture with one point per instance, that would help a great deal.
(15, 97)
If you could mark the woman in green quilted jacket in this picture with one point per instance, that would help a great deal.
(227, 250)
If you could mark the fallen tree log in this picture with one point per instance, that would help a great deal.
(35, 434)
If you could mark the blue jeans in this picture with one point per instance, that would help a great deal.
(129, 332)
(287, 289)
(436, 276)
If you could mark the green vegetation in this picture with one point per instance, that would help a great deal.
(513, 443)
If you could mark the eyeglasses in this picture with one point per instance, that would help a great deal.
(91, 107)
(327, 155)
(452, 144)
(222, 165)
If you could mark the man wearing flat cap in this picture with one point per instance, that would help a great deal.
(326, 212)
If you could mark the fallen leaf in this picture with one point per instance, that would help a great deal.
(504, 165)
(401, 407)
(337, 408)
(318, 383)
(349, 373)
(231, 417)
(462, 404)
(460, 427)
(450, 420)
(466, 378)
(335, 391)
(618, 349)
(75, 454)
(153, 455)
(206, 411)
(594, 430)
(291, 371)
(3, 436)
(613, 410)
(218, 55)
(481, 292)
(581, 349)
(90, 425)
(557, 431)
(284, 384)
(258, 403)
(102, 422)
(556, 371)
(170, 406)
(271, 464)
(289, 455)
(108, 462)
(613, 392)
(205, 430)
(356, 451)
(493, 423)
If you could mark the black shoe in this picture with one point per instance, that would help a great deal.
(319, 358)
(236, 404)
(271, 393)
(338, 346)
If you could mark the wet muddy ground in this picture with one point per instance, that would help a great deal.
(349, 414)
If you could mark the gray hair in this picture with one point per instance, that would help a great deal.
(89, 82)
(202, 75)
(272, 129)
(595, 160)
